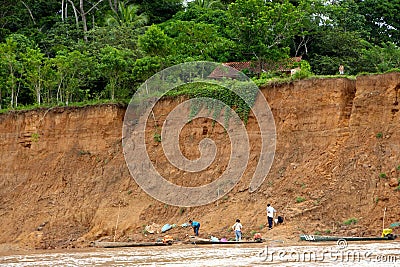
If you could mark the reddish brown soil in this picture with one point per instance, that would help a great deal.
(64, 181)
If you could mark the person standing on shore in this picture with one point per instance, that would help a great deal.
(237, 227)
(270, 214)
(196, 227)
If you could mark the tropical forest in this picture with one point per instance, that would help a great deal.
(73, 52)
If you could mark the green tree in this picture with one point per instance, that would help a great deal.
(346, 16)
(122, 28)
(217, 17)
(382, 20)
(61, 36)
(310, 25)
(49, 75)
(207, 3)
(155, 42)
(26, 17)
(10, 67)
(145, 67)
(32, 61)
(81, 9)
(72, 70)
(263, 29)
(13, 54)
(159, 11)
(334, 48)
(114, 64)
(126, 16)
(118, 36)
(338, 39)
(380, 58)
(197, 41)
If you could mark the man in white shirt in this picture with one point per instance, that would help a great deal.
(237, 227)
(270, 214)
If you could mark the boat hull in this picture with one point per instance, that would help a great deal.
(317, 238)
(128, 244)
(209, 242)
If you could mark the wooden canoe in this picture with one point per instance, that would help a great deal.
(209, 242)
(318, 238)
(127, 244)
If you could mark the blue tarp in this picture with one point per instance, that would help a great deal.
(395, 224)
(166, 228)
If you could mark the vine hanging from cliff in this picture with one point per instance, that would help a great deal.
(217, 94)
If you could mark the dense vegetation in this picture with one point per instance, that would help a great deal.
(55, 52)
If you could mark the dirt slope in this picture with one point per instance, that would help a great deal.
(64, 181)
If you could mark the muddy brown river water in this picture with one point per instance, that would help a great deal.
(266, 254)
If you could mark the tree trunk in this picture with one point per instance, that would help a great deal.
(17, 94)
(113, 82)
(75, 12)
(62, 10)
(30, 12)
(12, 85)
(12, 97)
(38, 93)
(113, 5)
(59, 93)
(83, 15)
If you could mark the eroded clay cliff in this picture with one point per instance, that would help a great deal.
(64, 181)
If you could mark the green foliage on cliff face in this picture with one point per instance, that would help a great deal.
(350, 221)
(218, 97)
(62, 52)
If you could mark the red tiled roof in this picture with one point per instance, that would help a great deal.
(226, 69)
